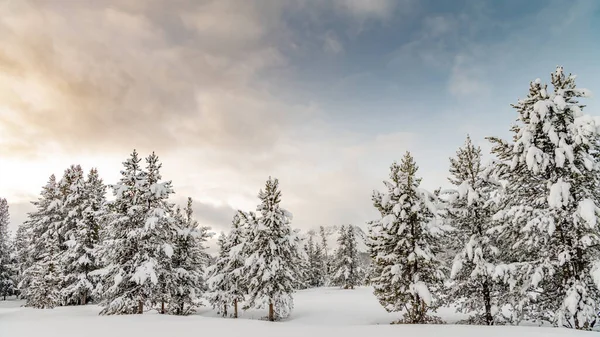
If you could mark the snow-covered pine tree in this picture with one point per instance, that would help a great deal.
(227, 276)
(404, 244)
(550, 222)
(82, 232)
(318, 266)
(189, 262)
(135, 244)
(274, 256)
(42, 278)
(236, 246)
(22, 245)
(469, 211)
(326, 259)
(72, 206)
(346, 265)
(14, 266)
(315, 273)
(218, 279)
(92, 233)
(161, 230)
(7, 277)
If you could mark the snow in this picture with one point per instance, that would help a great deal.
(317, 312)
(421, 289)
(587, 211)
(144, 271)
(559, 194)
(168, 249)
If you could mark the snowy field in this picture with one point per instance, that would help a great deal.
(318, 312)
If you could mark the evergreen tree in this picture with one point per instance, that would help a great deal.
(470, 210)
(82, 224)
(227, 274)
(136, 248)
(75, 285)
(346, 266)
(326, 259)
(13, 266)
(189, 262)
(218, 279)
(315, 273)
(7, 276)
(42, 279)
(22, 245)
(162, 230)
(274, 256)
(549, 222)
(235, 245)
(404, 244)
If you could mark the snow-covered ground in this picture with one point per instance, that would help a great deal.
(318, 312)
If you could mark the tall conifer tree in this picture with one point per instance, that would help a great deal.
(470, 209)
(7, 271)
(274, 256)
(550, 219)
(346, 265)
(42, 279)
(404, 244)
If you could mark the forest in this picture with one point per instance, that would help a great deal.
(516, 239)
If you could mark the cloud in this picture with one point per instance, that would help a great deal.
(230, 92)
(362, 10)
(332, 44)
(120, 77)
(467, 79)
(18, 213)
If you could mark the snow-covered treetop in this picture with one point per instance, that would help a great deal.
(552, 130)
(271, 213)
(403, 186)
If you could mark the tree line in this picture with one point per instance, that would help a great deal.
(140, 251)
(514, 239)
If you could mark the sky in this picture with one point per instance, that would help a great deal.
(323, 95)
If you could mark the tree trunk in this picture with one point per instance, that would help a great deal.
(271, 313)
(140, 307)
(162, 307)
(224, 310)
(235, 310)
(489, 320)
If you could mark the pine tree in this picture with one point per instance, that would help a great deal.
(91, 233)
(189, 262)
(218, 279)
(235, 245)
(326, 259)
(7, 277)
(42, 279)
(404, 245)
(74, 285)
(315, 273)
(162, 229)
(549, 221)
(274, 256)
(81, 207)
(470, 211)
(14, 266)
(137, 250)
(22, 245)
(346, 266)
